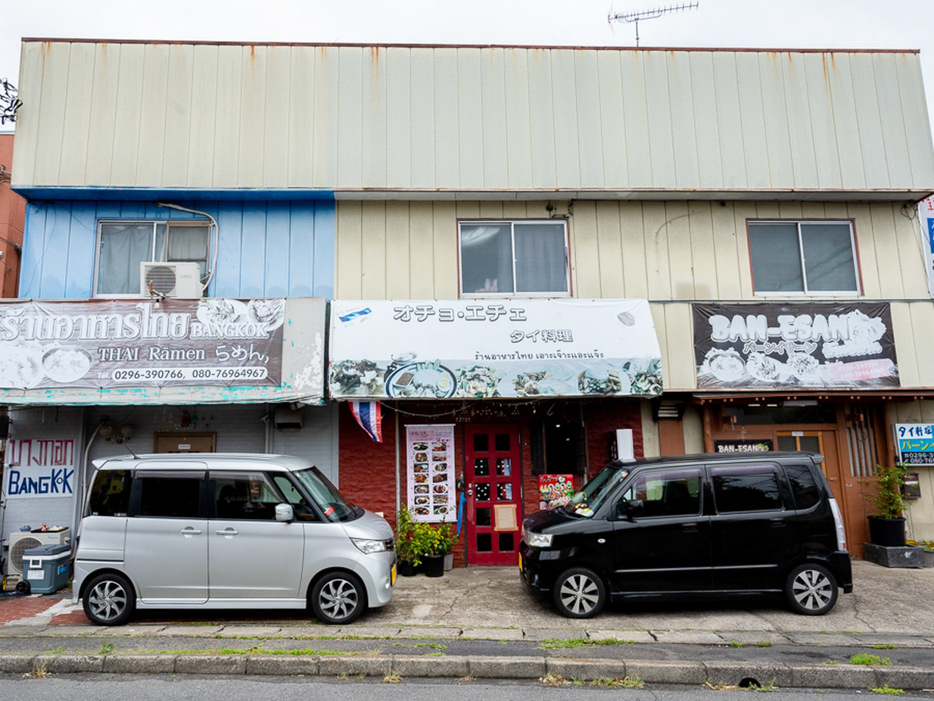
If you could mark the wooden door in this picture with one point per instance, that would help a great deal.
(494, 499)
(185, 443)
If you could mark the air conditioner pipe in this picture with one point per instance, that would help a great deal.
(178, 207)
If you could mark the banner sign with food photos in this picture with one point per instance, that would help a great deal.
(430, 459)
(807, 345)
(481, 348)
(141, 343)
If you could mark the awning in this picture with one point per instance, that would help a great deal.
(168, 351)
(483, 348)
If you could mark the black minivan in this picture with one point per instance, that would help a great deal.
(708, 525)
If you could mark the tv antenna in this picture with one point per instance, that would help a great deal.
(635, 17)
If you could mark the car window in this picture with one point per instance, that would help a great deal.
(300, 506)
(168, 495)
(740, 488)
(667, 492)
(110, 493)
(245, 495)
(803, 486)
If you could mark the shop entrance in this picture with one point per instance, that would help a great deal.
(494, 501)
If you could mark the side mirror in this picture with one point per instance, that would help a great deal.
(284, 512)
(632, 509)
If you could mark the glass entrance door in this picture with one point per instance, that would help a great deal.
(494, 502)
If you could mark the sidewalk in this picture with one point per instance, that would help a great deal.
(480, 623)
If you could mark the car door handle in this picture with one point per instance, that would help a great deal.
(777, 523)
(190, 531)
(689, 527)
(228, 531)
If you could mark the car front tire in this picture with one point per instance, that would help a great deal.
(579, 593)
(109, 599)
(338, 598)
(811, 589)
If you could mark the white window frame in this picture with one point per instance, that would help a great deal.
(806, 292)
(154, 256)
(511, 223)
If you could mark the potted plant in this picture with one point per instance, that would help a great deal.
(887, 526)
(408, 562)
(434, 543)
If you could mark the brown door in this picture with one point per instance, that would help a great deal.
(494, 502)
(184, 443)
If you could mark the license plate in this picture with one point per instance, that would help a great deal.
(392, 575)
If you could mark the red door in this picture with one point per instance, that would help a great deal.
(494, 501)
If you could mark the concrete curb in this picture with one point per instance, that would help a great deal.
(716, 673)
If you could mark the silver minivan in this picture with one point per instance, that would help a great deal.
(227, 531)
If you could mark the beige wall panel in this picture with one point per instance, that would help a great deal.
(541, 124)
(478, 210)
(227, 116)
(30, 74)
(447, 142)
(201, 144)
(446, 253)
(894, 140)
(636, 120)
(518, 106)
(693, 425)
(251, 158)
(126, 143)
(77, 114)
(400, 261)
(703, 251)
(850, 146)
(677, 233)
(612, 129)
(301, 150)
(493, 120)
(706, 123)
(633, 238)
(53, 100)
(906, 349)
(887, 263)
(729, 122)
(276, 126)
(175, 167)
(922, 328)
(375, 107)
(374, 253)
(679, 340)
(349, 275)
(351, 112)
(659, 317)
(813, 210)
(103, 115)
(567, 134)
(423, 119)
(684, 125)
(916, 119)
(469, 117)
(775, 112)
(869, 122)
(907, 238)
(585, 252)
(729, 249)
(610, 250)
(752, 116)
(398, 98)
(421, 246)
(867, 240)
(591, 145)
(327, 119)
(658, 101)
(651, 445)
(801, 135)
(152, 126)
(822, 124)
(654, 220)
(790, 210)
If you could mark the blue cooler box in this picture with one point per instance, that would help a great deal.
(47, 568)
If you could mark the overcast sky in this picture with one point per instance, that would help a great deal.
(850, 24)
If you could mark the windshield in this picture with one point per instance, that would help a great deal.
(326, 496)
(593, 495)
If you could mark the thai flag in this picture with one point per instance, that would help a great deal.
(370, 416)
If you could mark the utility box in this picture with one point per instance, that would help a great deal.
(47, 568)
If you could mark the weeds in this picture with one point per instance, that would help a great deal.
(626, 682)
(884, 646)
(556, 643)
(737, 643)
(392, 678)
(552, 679)
(107, 648)
(864, 658)
(39, 670)
(886, 689)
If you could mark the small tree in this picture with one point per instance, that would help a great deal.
(889, 500)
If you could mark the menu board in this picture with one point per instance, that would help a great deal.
(430, 462)
(555, 490)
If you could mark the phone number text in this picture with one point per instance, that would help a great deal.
(189, 374)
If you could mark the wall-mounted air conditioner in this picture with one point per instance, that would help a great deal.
(21, 541)
(170, 280)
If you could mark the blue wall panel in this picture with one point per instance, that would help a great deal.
(270, 249)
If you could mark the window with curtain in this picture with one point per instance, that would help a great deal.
(803, 257)
(122, 246)
(528, 258)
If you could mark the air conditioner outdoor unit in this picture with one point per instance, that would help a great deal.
(20, 542)
(170, 280)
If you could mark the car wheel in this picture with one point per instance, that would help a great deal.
(109, 600)
(579, 593)
(338, 597)
(811, 589)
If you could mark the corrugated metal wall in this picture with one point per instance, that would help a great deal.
(266, 249)
(462, 119)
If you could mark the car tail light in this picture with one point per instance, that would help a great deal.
(838, 523)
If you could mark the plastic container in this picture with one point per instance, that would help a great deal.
(47, 568)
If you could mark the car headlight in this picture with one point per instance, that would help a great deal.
(370, 546)
(538, 540)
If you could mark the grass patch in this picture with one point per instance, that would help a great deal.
(884, 646)
(886, 689)
(626, 682)
(433, 646)
(552, 679)
(107, 648)
(737, 643)
(558, 643)
(865, 658)
(392, 678)
(40, 670)
(763, 643)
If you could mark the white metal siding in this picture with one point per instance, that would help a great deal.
(491, 120)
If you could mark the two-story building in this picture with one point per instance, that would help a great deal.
(535, 259)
